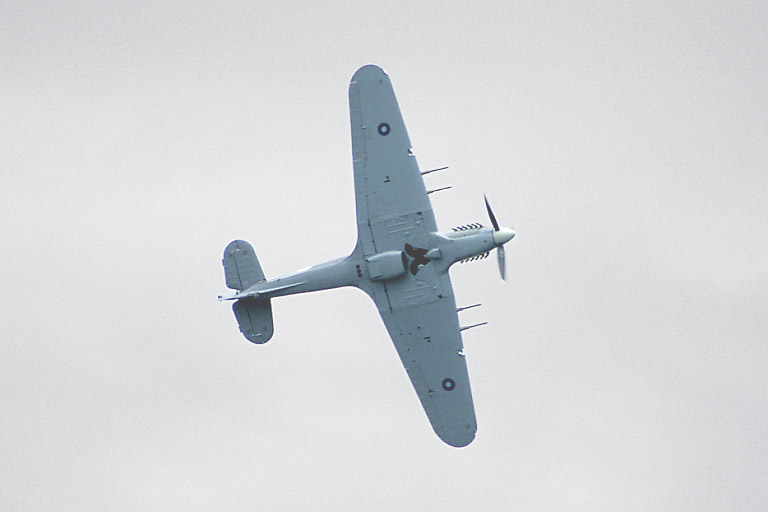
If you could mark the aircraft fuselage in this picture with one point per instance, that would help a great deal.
(358, 270)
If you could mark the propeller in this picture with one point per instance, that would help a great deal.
(500, 237)
(502, 262)
(490, 214)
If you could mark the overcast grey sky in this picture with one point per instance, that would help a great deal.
(624, 364)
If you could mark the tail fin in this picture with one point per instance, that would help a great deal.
(241, 270)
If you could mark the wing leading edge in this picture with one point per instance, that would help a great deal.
(394, 212)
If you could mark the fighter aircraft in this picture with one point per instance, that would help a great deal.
(401, 261)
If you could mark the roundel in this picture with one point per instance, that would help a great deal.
(383, 129)
(448, 384)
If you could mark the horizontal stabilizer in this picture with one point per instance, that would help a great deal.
(241, 267)
(254, 317)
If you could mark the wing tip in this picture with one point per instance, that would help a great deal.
(367, 71)
(458, 438)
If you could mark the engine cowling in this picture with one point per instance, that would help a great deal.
(387, 265)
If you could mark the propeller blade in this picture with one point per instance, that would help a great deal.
(502, 262)
(491, 215)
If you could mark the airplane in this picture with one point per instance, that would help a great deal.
(400, 260)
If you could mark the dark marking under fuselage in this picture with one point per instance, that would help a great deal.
(418, 255)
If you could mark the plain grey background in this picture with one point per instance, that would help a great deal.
(624, 365)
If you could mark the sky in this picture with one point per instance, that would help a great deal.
(624, 363)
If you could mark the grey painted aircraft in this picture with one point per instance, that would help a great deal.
(401, 261)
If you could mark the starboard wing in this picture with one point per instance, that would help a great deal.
(390, 195)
